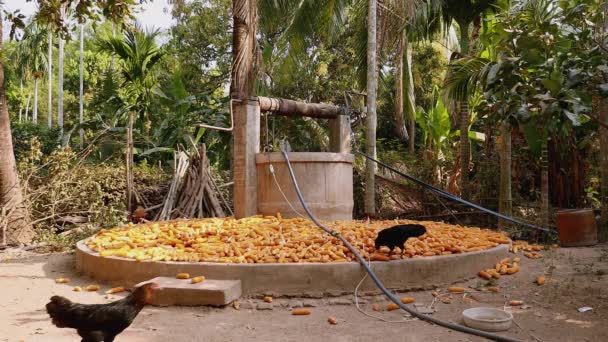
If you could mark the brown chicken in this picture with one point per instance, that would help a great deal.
(139, 215)
(100, 322)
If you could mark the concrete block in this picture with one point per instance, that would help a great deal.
(182, 292)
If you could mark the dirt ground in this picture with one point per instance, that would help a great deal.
(576, 277)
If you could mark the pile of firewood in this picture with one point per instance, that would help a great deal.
(192, 193)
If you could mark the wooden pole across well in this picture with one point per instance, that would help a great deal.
(287, 107)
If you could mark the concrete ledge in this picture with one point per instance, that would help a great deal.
(305, 279)
(183, 292)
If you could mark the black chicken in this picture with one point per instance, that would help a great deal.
(397, 236)
(100, 322)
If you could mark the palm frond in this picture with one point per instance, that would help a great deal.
(464, 76)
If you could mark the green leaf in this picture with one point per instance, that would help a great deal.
(527, 42)
(154, 150)
(552, 85)
(477, 136)
(533, 138)
(573, 117)
(533, 57)
(492, 74)
(267, 53)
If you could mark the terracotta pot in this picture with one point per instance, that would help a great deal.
(576, 227)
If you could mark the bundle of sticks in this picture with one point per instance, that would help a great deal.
(193, 193)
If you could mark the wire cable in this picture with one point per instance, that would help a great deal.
(377, 281)
(454, 198)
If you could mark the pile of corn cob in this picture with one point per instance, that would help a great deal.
(272, 239)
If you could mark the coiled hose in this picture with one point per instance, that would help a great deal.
(377, 281)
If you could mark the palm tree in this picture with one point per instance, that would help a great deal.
(370, 136)
(81, 97)
(13, 211)
(137, 53)
(49, 118)
(60, 84)
(32, 57)
(602, 107)
(464, 12)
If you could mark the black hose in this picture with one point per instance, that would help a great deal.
(455, 198)
(378, 283)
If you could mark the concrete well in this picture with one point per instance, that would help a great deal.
(325, 179)
(298, 279)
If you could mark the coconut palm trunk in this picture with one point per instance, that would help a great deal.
(544, 182)
(49, 118)
(60, 85)
(603, 225)
(463, 120)
(20, 103)
(27, 107)
(35, 110)
(14, 218)
(602, 106)
(129, 163)
(400, 128)
(411, 97)
(505, 201)
(370, 137)
(81, 109)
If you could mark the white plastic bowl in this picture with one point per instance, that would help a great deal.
(487, 319)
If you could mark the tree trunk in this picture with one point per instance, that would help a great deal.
(603, 225)
(463, 107)
(602, 105)
(411, 97)
(27, 107)
(49, 118)
(14, 218)
(60, 85)
(544, 182)
(20, 94)
(243, 47)
(245, 136)
(35, 111)
(129, 164)
(81, 109)
(505, 201)
(465, 148)
(370, 137)
(113, 36)
(400, 128)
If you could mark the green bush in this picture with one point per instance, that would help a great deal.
(64, 184)
(23, 132)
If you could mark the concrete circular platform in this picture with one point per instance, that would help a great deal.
(298, 279)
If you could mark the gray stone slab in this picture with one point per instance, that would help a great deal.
(183, 292)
